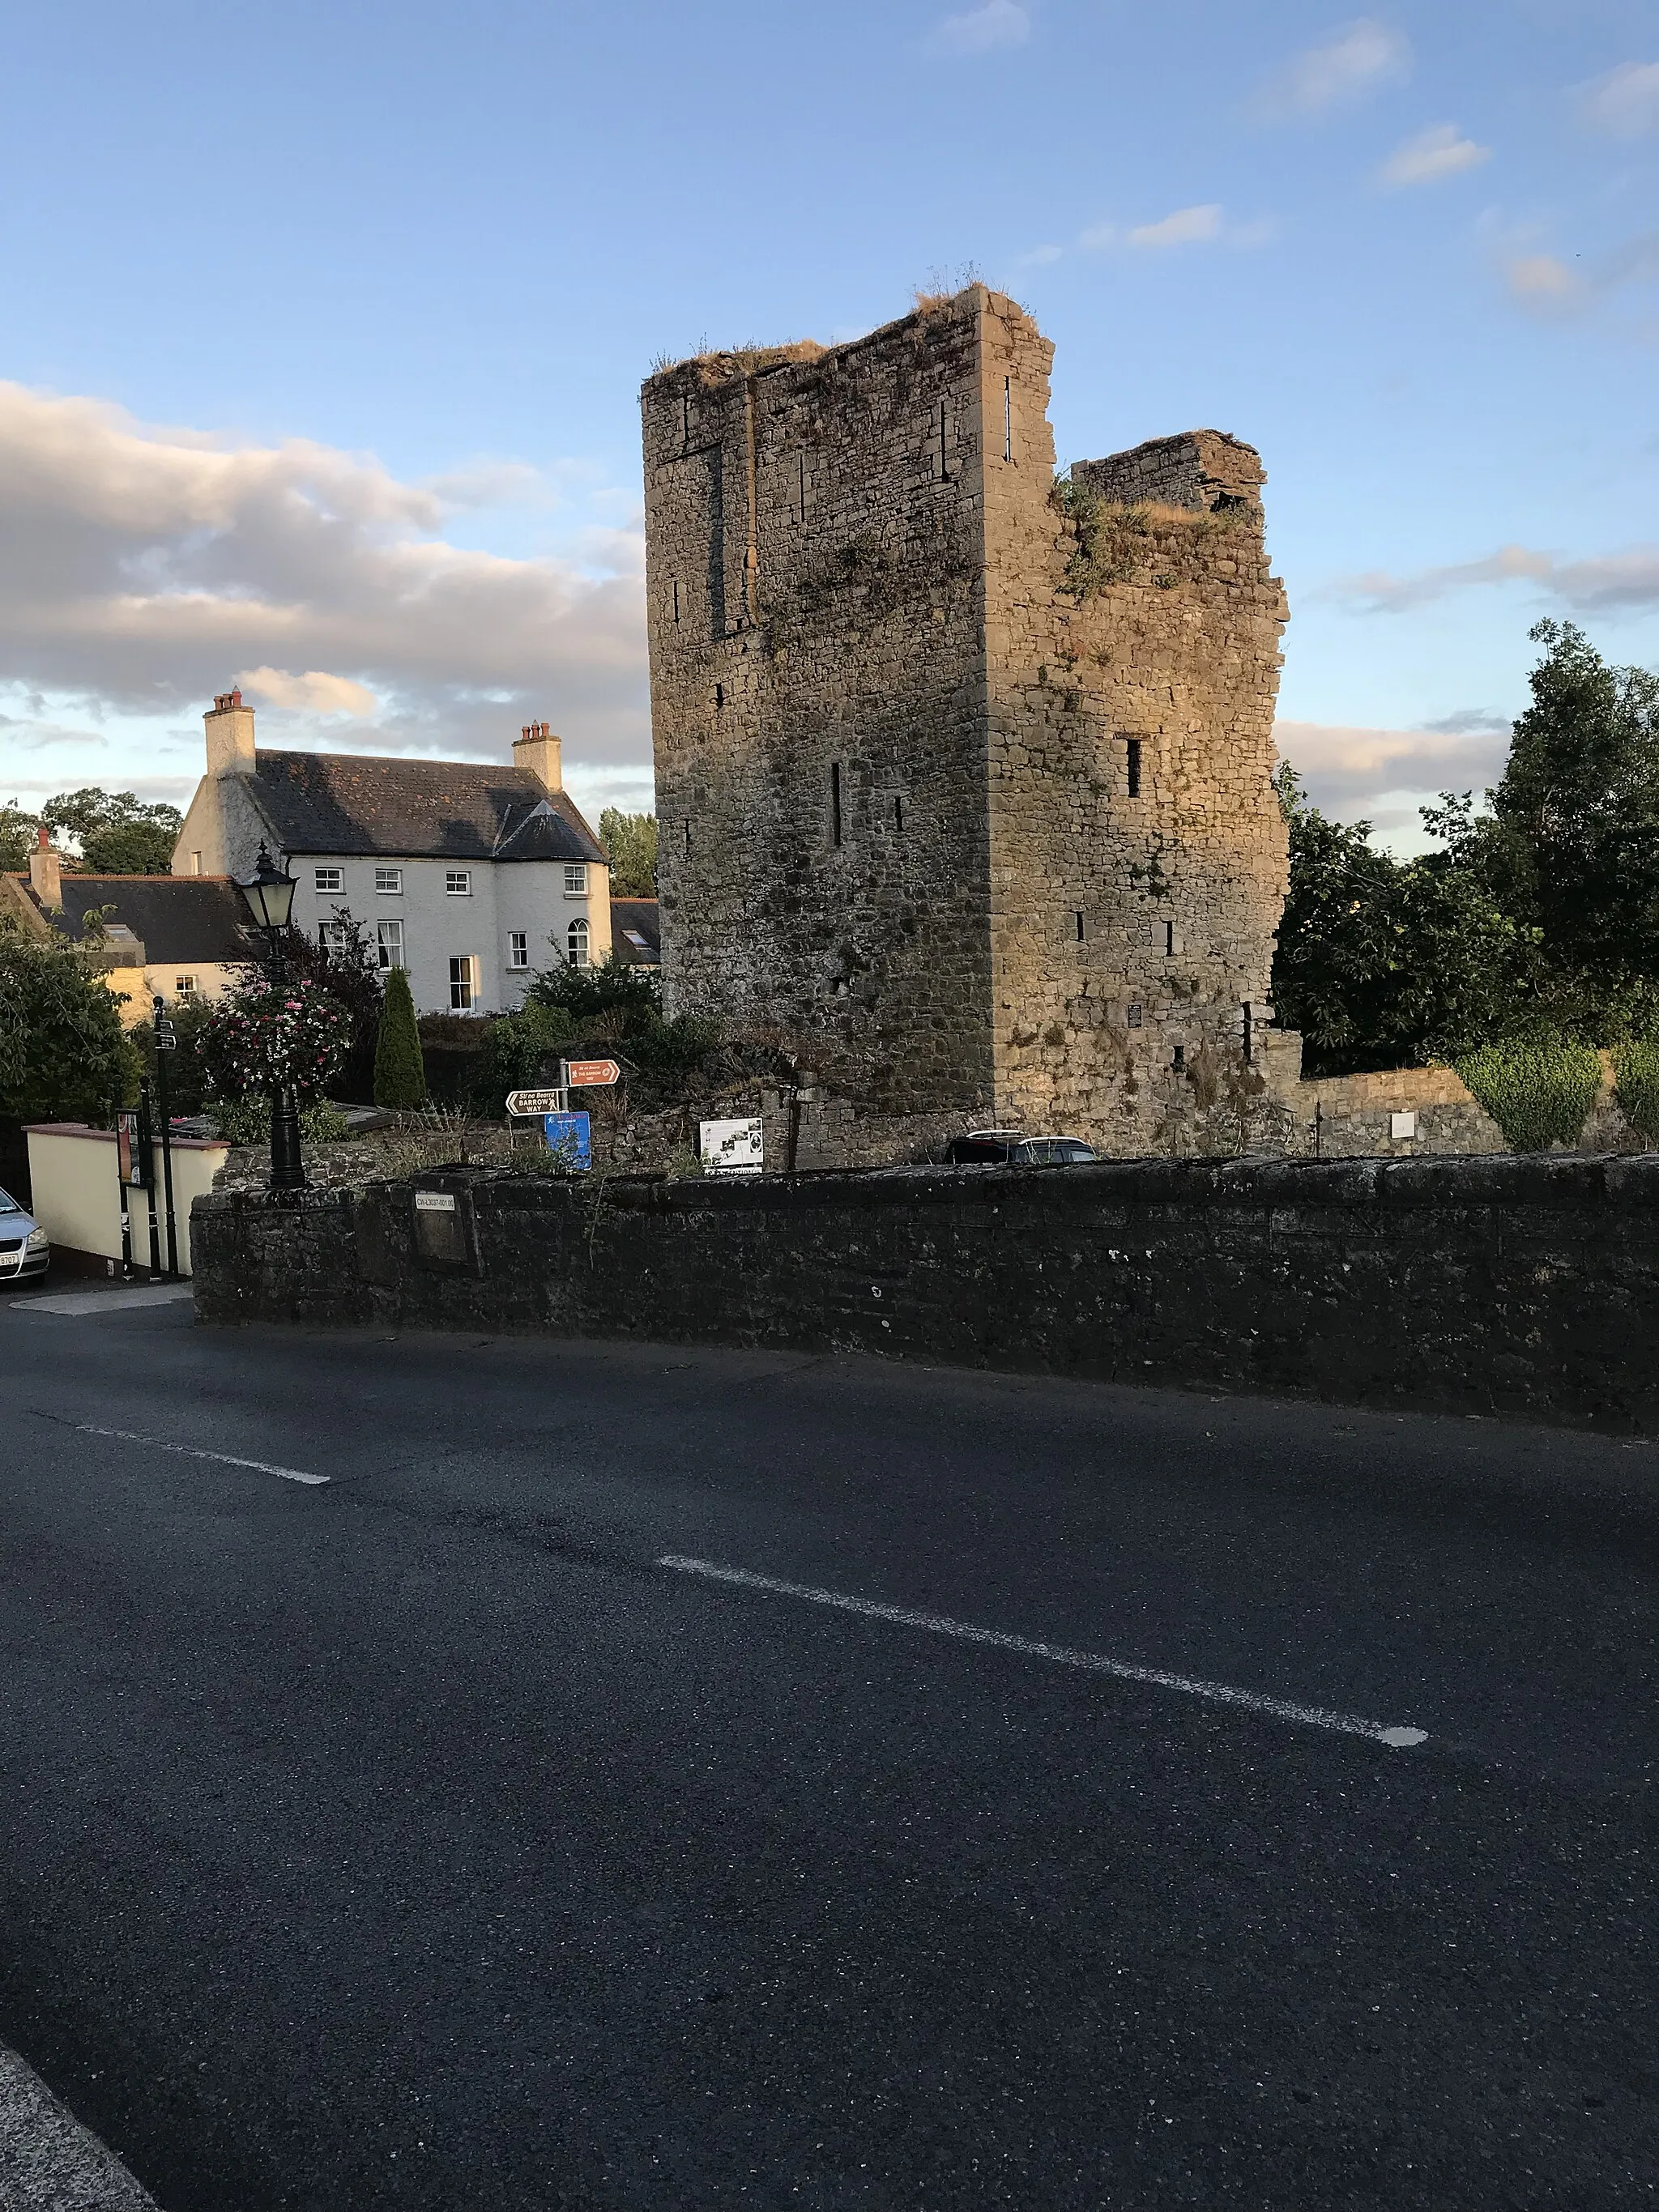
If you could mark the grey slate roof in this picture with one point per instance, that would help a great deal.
(417, 809)
(631, 918)
(177, 918)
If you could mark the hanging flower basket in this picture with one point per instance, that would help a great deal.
(291, 1036)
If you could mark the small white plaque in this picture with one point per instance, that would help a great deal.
(435, 1201)
(1403, 1125)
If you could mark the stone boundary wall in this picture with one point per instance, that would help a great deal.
(1520, 1286)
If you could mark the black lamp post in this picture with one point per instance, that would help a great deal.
(269, 895)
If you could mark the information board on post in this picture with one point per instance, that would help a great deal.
(732, 1147)
(571, 1136)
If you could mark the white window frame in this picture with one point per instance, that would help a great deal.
(388, 883)
(327, 881)
(575, 879)
(458, 884)
(463, 982)
(388, 935)
(518, 950)
(186, 987)
(578, 942)
(331, 937)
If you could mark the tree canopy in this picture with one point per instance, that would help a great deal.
(631, 841)
(1540, 914)
(63, 1055)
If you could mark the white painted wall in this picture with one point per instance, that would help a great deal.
(506, 895)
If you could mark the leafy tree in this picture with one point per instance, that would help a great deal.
(1572, 844)
(344, 962)
(399, 1071)
(63, 1055)
(116, 832)
(129, 849)
(1383, 962)
(18, 835)
(631, 996)
(631, 841)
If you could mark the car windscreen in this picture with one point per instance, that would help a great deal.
(8, 1204)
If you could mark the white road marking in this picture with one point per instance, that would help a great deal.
(1220, 1693)
(190, 1451)
(97, 1302)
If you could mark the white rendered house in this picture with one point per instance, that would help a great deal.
(468, 877)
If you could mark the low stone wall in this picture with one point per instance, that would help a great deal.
(1495, 1285)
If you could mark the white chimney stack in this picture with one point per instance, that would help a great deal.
(539, 750)
(46, 873)
(229, 729)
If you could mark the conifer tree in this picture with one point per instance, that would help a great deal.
(399, 1075)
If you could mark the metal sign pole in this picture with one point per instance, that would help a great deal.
(166, 1041)
(147, 1146)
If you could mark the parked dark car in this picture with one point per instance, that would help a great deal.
(1008, 1148)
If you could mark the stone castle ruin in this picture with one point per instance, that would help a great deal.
(963, 775)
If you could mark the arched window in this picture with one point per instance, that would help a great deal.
(576, 937)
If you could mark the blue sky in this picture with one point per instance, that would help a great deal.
(322, 330)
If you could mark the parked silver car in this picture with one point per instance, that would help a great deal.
(25, 1247)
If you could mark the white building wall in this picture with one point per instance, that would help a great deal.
(506, 895)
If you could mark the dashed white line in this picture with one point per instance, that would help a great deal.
(1220, 1693)
(192, 1452)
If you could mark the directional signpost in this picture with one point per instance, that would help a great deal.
(590, 1074)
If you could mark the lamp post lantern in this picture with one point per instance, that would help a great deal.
(269, 895)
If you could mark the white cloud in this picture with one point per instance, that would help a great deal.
(1543, 281)
(1609, 580)
(1625, 103)
(1040, 256)
(1349, 771)
(1435, 153)
(998, 23)
(1358, 59)
(314, 693)
(1191, 226)
(140, 566)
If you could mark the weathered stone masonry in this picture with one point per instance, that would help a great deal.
(968, 791)
(1483, 1285)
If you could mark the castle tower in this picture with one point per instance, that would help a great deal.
(960, 779)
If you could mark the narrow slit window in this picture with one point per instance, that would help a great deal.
(1132, 747)
(943, 470)
(676, 599)
(1136, 1014)
(835, 801)
(1078, 919)
(1007, 418)
(898, 816)
(688, 841)
(1169, 940)
(801, 461)
(720, 696)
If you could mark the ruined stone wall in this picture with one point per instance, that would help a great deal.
(1138, 849)
(814, 576)
(968, 792)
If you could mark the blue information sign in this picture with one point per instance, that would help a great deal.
(569, 1135)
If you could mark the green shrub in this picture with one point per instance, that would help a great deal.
(399, 1071)
(241, 1121)
(516, 1050)
(1636, 1075)
(323, 1124)
(610, 987)
(1539, 1089)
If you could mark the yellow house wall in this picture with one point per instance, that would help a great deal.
(77, 1198)
(140, 985)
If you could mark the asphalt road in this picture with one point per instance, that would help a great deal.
(418, 1838)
